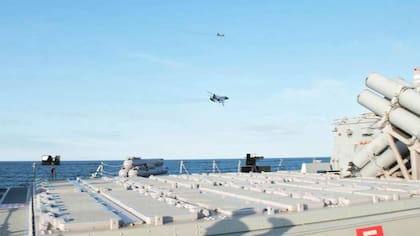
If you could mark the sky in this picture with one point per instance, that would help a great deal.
(103, 80)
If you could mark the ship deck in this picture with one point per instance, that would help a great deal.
(230, 203)
(14, 211)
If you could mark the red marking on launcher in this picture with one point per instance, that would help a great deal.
(370, 231)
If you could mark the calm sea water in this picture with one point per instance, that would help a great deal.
(20, 173)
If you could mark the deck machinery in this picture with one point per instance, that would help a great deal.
(251, 164)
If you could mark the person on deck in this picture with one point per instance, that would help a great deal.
(53, 171)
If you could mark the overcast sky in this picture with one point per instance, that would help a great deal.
(108, 79)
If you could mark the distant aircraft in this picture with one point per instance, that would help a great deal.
(220, 35)
(216, 98)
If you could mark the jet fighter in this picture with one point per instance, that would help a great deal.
(217, 98)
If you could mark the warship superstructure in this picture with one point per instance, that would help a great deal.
(372, 187)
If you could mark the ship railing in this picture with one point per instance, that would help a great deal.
(184, 170)
(100, 171)
(280, 167)
(215, 167)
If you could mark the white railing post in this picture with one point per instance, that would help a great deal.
(215, 167)
(102, 168)
(280, 165)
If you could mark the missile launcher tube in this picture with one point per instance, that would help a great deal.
(381, 84)
(133, 162)
(370, 151)
(406, 121)
(401, 118)
(132, 172)
(123, 173)
(408, 98)
(403, 82)
(384, 161)
(373, 102)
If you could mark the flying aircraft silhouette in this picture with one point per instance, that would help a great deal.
(216, 98)
(220, 35)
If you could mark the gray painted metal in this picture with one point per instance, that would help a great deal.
(383, 161)
(372, 150)
(351, 135)
(406, 121)
(287, 203)
(403, 82)
(14, 221)
(407, 97)
(136, 161)
(410, 99)
(386, 151)
(62, 206)
(374, 102)
(381, 84)
(399, 117)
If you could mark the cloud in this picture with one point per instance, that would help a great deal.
(158, 60)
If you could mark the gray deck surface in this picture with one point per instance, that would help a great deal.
(213, 202)
(14, 221)
(143, 206)
(77, 210)
(246, 203)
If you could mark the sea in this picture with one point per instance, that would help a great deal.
(23, 173)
